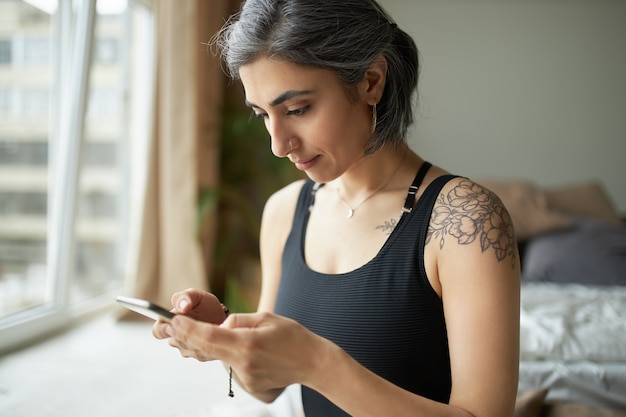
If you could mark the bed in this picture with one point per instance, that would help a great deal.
(573, 299)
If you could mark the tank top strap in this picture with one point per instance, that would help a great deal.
(306, 199)
(417, 181)
(311, 188)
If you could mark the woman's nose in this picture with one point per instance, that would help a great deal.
(279, 138)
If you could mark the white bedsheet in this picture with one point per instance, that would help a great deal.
(572, 323)
(596, 384)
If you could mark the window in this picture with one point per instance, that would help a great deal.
(107, 51)
(104, 102)
(5, 51)
(64, 187)
(5, 103)
(35, 103)
(37, 51)
(100, 154)
(23, 154)
(23, 203)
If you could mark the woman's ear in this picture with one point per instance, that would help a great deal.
(373, 83)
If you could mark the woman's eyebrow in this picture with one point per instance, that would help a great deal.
(283, 97)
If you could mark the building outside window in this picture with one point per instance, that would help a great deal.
(5, 51)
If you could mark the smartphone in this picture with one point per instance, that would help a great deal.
(146, 308)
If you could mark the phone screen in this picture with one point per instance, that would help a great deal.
(145, 308)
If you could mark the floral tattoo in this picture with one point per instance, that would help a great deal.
(470, 212)
(388, 227)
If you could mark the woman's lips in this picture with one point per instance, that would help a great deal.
(304, 165)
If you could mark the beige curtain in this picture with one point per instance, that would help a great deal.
(184, 150)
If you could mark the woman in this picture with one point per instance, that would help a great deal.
(390, 287)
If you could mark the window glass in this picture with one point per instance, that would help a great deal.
(101, 230)
(48, 270)
(36, 51)
(5, 51)
(5, 102)
(27, 39)
(35, 103)
(23, 154)
(106, 51)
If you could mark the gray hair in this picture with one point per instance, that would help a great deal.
(343, 36)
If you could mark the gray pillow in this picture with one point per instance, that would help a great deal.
(592, 253)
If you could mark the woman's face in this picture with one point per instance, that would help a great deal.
(310, 108)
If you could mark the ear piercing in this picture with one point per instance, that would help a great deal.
(374, 118)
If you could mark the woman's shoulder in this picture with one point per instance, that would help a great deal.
(469, 212)
(468, 196)
(283, 202)
(461, 193)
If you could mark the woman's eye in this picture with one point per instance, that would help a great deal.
(258, 115)
(298, 112)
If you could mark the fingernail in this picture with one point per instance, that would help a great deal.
(182, 304)
(169, 330)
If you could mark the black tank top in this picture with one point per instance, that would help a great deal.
(385, 314)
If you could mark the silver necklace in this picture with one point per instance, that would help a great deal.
(351, 209)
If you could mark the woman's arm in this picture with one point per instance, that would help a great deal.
(478, 269)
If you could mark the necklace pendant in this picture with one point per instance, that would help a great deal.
(350, 213)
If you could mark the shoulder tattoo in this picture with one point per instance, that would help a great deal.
(469, 213)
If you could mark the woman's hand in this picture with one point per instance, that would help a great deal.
(196, 304)
(266, 352)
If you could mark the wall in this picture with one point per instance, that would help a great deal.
(522, 89)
